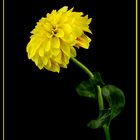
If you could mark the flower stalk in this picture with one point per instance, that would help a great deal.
(83, 67)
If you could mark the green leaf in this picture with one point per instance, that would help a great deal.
(115, 98)
(104, 118)
(88, 88)
(97, 79)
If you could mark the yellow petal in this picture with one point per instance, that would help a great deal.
(35, 59)
(77, 31)
(83, 41)
(63, 9)
(69, 39)
(55, 51)
(34, 46)
(41, 51)
(89, 20)
(73, 52)
(45, 60)
(48, 34)
(54, 66)
(55, 42)
(47, 26)
(47, 45)
(87, 29)
(65, 59)
(67, 29)
(60, 33)
(48, 64)
(63, 65)
(71, 9)
(59, 58)
(65, 48)
(40, 64)
(28, 49)
(86, 38)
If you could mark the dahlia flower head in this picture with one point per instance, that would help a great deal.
(55, 38)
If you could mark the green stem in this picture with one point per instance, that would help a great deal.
(101, 107)
(106, 131)
(84, 68)
(100, 98)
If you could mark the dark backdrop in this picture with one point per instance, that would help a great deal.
(43, 104)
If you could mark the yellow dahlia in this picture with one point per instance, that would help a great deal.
(54, 37)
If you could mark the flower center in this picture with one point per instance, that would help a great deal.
(54, 31)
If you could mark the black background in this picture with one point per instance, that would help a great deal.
(45, 105)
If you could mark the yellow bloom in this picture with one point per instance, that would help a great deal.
(54, 37)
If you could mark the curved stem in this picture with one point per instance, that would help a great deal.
(100, 98)
(84, 68)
